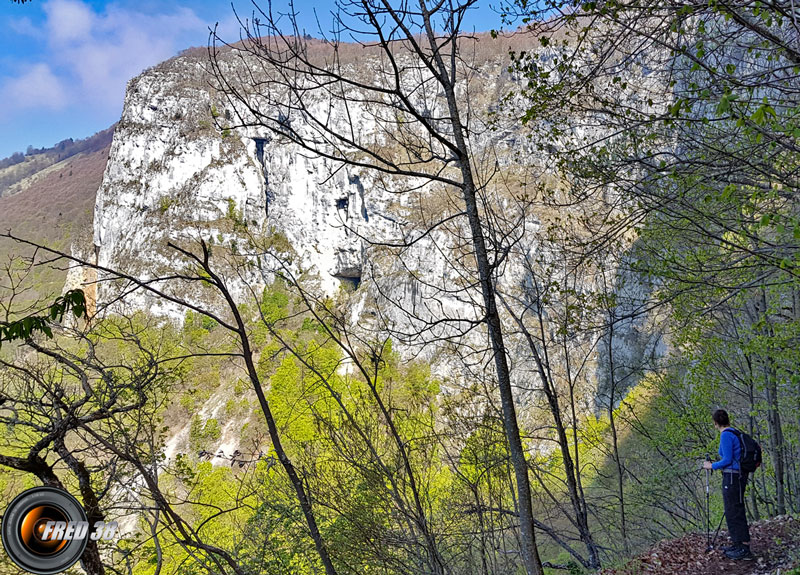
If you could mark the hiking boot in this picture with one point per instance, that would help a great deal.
(740, 553)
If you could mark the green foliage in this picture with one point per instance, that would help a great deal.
(203, 434)
(236, 407)
(235, 215)
(165, 203)
(73, 301)
(703, 182)
(197, 326)
(208, 323)
(328, 419)
(274, 303)
(276, 243)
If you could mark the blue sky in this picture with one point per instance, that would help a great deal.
(64, 64)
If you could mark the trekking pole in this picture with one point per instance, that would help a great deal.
(716, 533)
(708, 506)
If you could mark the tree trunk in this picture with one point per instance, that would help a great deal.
(90, 560)
(776, 442)
(751, 427)
(773, 416)
(572, 474)
(614, 437)
(272, 428)
(530, 552)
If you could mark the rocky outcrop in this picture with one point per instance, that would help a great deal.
(177, 173)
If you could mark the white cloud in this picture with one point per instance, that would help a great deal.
(68, 20)
(229, 29)
(36, 87)
(91, 54)
(24, 27)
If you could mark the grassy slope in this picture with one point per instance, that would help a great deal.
(13, 178)
(54, 206)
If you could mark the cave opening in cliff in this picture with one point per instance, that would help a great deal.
(349, 282)
(268, 195)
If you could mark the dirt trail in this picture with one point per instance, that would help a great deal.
(775, 543)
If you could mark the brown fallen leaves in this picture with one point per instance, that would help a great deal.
(775, 543)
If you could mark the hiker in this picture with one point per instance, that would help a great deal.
(734, 482)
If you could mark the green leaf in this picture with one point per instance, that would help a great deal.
(24, 328)
(760, 115)
(727, 192)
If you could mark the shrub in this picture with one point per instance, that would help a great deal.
(165, 203)
(202, 435)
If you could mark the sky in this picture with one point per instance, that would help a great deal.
(64, 64)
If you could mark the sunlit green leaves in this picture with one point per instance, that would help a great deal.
(72, 302)
(763, 113)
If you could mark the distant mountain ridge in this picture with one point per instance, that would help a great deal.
(17, 168)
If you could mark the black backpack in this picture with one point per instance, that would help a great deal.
(750, 457)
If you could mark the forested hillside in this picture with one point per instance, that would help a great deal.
(19, 171)
(424, 301)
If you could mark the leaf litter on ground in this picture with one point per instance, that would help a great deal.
(774, 542)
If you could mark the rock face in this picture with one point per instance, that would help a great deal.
(174, 175)
(177, 174)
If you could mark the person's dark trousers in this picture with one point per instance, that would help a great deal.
(733, 486)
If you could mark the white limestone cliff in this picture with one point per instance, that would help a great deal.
(175, 174)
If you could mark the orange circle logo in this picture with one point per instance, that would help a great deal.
(44, 530)
(34, 533)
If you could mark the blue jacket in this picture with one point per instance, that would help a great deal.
(730, 451)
